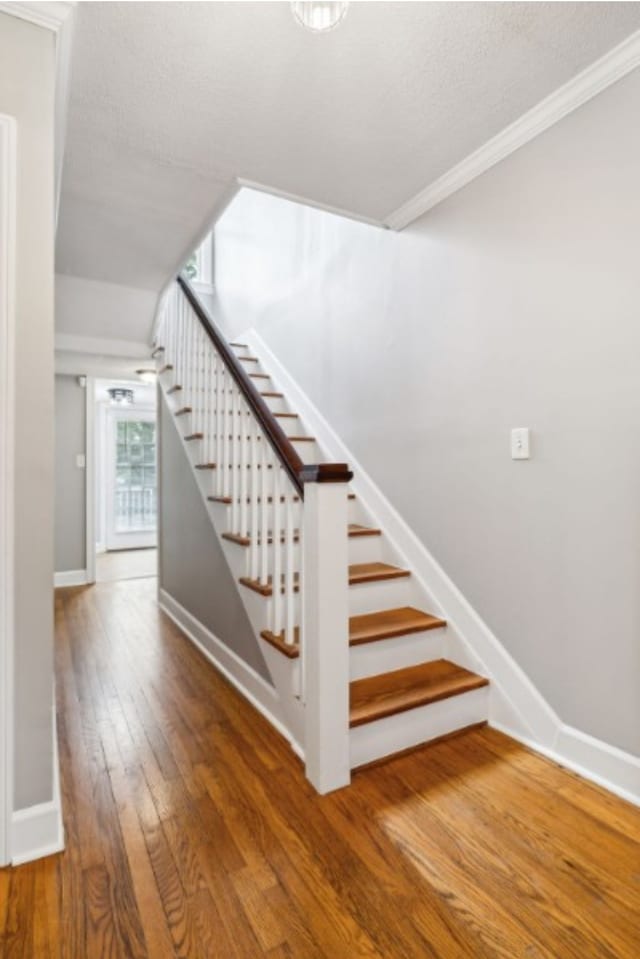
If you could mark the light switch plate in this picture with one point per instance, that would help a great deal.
(81, 461)
(520, 443)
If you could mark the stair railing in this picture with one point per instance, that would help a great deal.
(276, 503)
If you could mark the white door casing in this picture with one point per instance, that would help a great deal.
(7, 415)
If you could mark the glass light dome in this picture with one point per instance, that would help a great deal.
(319, 16)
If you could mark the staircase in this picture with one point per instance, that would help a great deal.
(356, 658)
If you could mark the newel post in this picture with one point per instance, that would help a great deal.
(325, 628)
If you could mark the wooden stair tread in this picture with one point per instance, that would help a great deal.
(266, 589)
(389, 693)
(194, 436)
(388, 623)
(183, 410)
(228, 500)
(174, 389)
(354, 529)
(272, 395)
(368, 628)
(240, 346)
(259, 376)
(358, 573)
(291, 650)
(165, 368)
(374, 572)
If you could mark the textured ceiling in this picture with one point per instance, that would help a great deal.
(170, 102)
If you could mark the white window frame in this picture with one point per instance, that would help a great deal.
(7, 464)
(204, 263)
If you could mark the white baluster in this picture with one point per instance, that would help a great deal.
(264, 512)
(245, 443)
(234, 459)
(254, 519)
(277, 550)
(289, 569)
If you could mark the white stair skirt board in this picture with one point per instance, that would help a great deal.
(71, 577)
(515, 705)
(245, 679)
(384, 737)
(38, 831)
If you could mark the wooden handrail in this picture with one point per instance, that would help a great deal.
(299, 472)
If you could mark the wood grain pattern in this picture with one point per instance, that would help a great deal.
(192, 832)
(387, 623)
(378, 696)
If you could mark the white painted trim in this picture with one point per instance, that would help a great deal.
(50, 14)
(59, 17)
(71, 577)
(591, 758)
(90, 479)
(601, 74)
(7, 463)
(39, 830)
(36, 832)
(245, 679)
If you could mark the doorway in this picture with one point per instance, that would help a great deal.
(126, 489)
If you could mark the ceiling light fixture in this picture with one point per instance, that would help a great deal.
(147, 376)
(319, 16)
(120, 396)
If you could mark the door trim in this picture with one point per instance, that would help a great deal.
(7, 464)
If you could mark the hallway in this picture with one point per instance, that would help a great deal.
(192, 832)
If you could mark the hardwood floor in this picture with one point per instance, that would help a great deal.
(192, 832)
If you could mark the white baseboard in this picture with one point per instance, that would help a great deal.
(516, 705)
(71, 577)
(606, 765)
(38, 831)
(245, 679)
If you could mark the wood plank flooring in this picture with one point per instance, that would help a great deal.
(191, 831)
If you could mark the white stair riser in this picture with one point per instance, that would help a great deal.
(382, 594)
(385, 655)
(416, 726)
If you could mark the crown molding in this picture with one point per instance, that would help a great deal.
(601, 74)
(50, 15)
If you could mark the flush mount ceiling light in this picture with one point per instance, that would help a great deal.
(147, 376)
(319, 16)
(120, 396)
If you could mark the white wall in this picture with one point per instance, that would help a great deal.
(26, 93)
(514, 303)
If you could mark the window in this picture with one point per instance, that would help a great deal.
(199, 266)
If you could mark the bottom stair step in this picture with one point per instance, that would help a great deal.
(380, 696)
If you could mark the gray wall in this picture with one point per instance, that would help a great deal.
(192, 566)
(26, 92)
(70, 500)
(514, 303)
